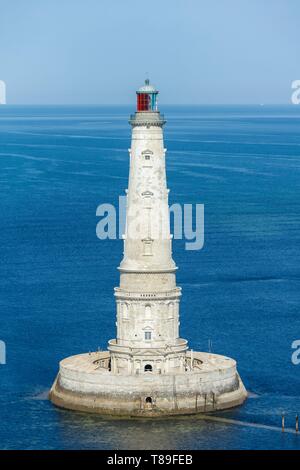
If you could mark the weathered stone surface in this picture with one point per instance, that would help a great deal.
(212, 384)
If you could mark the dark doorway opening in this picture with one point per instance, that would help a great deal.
(148, 400)
(148, 368)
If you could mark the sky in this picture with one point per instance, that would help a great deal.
(194, 51)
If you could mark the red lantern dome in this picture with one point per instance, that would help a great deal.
(147, 97)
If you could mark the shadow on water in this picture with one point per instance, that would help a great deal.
(137, 433)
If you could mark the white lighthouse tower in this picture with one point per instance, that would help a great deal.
(148, 369)
(147, 299)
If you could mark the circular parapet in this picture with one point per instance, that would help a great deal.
(85, 383)
(147, 118)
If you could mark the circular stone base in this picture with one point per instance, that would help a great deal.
(84, 383)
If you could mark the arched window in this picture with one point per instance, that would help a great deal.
(148, 368)
(148, 400)
(147, 199)
(147, 242)
(148, 311)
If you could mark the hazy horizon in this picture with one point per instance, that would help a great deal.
(65, 52)
(132, 104)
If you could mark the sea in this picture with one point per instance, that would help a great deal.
(241, 291)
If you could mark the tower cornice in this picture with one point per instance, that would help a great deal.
(147, 119)
(155, 295)
(146, 271)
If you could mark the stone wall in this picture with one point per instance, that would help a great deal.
(80, 386)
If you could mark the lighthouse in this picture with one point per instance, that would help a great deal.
(148, 298)
(147, 369)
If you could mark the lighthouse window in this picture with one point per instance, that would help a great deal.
(148, 311)
(147, 335)
(147, 247)
(147, 157)
(148, 368)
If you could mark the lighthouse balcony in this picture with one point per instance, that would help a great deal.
(146, 118)
(139, 347)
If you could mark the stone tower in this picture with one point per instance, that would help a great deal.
(148, 369)
(148, 298)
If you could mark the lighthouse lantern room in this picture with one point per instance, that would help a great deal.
(147, 97)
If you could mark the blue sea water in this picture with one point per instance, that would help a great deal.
(241, 291)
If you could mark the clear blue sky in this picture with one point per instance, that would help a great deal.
(195, 51)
